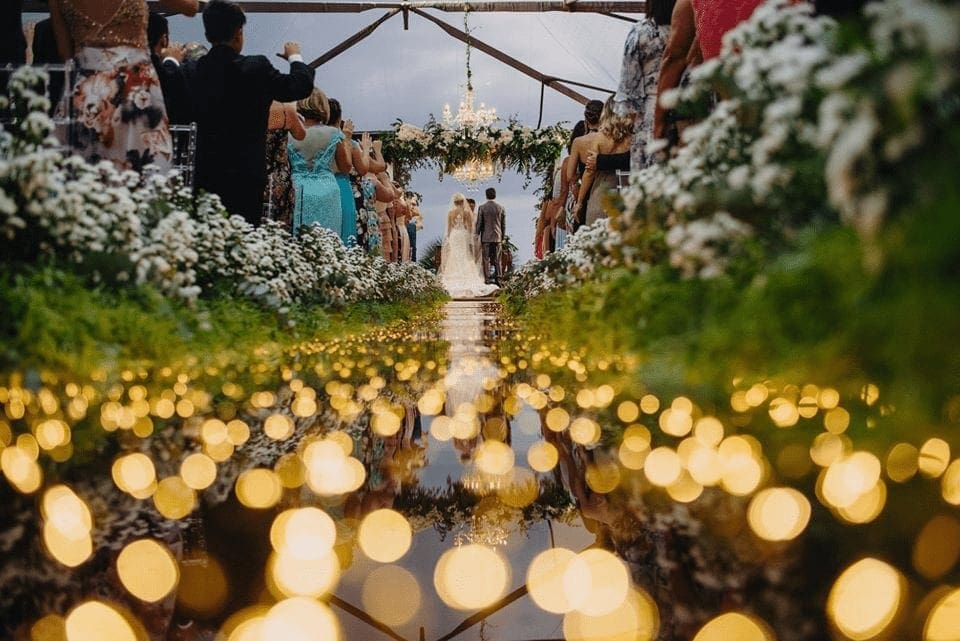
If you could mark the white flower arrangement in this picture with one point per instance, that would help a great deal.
(810, 128)
(530, 151)
(150, 228)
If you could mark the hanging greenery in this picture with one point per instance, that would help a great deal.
(528, 151)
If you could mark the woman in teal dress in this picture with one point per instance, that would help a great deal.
(359, 155)
(314, 161)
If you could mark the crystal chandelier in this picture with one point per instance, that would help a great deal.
(475, 170)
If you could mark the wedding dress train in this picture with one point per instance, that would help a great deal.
(460, 268)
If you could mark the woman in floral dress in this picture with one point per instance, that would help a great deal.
(637, 94)
(118, 105)
(283, 119)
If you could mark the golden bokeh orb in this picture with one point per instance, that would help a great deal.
(943, 622)
(865, 599)
(471, 577)
(778, 514)
(384, 535)
(96, 621)
(734, 625)
(147, 570)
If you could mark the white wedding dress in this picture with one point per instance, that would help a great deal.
(461, 271)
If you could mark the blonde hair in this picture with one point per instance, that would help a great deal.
(315, 106)
(614, 126)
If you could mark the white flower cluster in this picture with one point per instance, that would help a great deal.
(148, 228)
(699, 248)
(810, 124)
(739, 153)
(589, 251)
(811, 127)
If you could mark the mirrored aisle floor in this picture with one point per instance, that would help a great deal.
(457, 477)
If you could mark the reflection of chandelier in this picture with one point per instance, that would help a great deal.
(475, 170)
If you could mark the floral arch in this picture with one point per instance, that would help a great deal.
(514, 146)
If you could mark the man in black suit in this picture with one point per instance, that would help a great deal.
(230, 96)
(166, 60)
(13, 44)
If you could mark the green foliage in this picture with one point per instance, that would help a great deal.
(54, 321)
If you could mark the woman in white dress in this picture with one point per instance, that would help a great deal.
(460, 270)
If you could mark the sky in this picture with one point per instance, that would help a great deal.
(412, 74)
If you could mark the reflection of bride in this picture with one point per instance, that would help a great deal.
(460, 266)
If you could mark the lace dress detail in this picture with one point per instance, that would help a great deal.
(316, 193)
(460, 271)
(637, 93)
(127, 27)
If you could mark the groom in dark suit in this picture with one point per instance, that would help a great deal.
(491, 226)
(230, 96)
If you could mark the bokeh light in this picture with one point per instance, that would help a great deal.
(546, 584)
(384, 535)
(471, 577)
(607, 578)
(259, 488)
(147, 570)
(300, 619)
(391, 595)
(96, 621)
(865, 599)
(943, 622)
(778, 514)
(734, 625)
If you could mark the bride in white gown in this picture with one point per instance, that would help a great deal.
(460, 265)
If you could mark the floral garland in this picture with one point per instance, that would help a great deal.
(530, 151)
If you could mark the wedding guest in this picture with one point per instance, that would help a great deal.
(414, 223)
(581, 146)
(120, 112)
(13, 44)
(314, 161)
(614, 138)
(282, 121)
(388, 234)
(359, 152)
(681, 51)
(231, 96)
(402, 215)
(636, 96)
(166, 60)
(45, 52)
(370, 190)
(491, 227)
(717, 17)
(563, 193)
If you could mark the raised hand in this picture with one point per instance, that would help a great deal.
(290, 49)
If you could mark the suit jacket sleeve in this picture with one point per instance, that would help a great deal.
(287, 87)
(503, 221)
(479, 229)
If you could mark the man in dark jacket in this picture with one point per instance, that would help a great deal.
(13, 44)
(167, 60)
(230, 96)
(491, 226)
